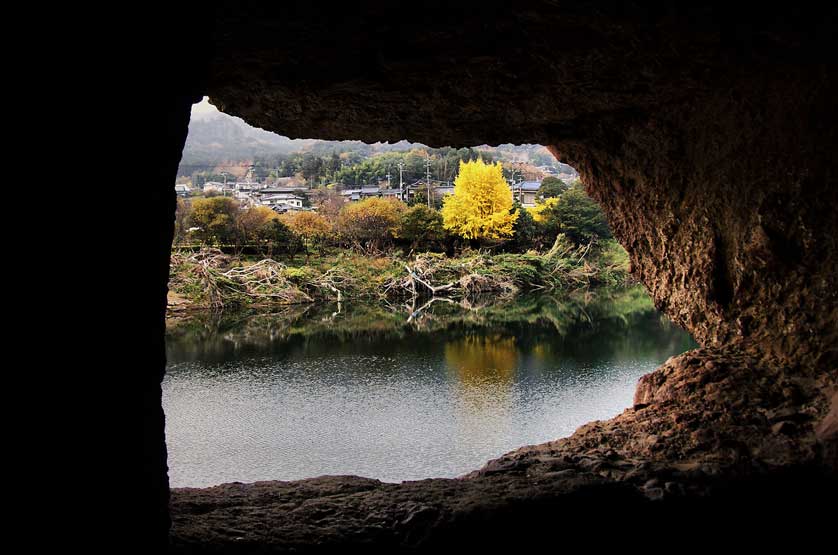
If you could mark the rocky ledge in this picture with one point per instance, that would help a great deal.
(715, 438)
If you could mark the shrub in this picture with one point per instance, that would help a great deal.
(371, 224)
(421, 227)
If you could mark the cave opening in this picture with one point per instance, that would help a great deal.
(290, 381)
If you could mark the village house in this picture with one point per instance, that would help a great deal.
(439, 190)
(249, 186)
(182, 190)
(261, 194)
(288, 200)
(219, 188)
(213, 186)
(283, 208)
(526, 192)
(391, 193)
(280, 190)
(360, 194)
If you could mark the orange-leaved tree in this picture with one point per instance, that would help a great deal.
(310, 227)
(251, 221)
(372, 223)
(481, 205)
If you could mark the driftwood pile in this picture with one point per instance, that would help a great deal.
(265, 279)
(428, 277)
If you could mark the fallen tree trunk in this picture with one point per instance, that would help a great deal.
(433, 289)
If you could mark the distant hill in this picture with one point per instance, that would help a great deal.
(216, 138)
(222, 138)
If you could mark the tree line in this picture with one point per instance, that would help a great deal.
(355, 169)
(480, 213)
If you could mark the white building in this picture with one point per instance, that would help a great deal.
(215, 186)
(285, 199)
(182, 190)
(249, 186)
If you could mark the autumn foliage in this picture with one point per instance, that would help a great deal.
(310, 227)
(215, 220)
(372, 223)
(251, 222)
(481, 205)
(480, 210)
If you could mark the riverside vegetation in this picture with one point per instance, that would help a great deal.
(209, 278)
(479, 243)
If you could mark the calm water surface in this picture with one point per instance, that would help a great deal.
(311, 391)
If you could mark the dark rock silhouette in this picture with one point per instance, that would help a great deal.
(707, 133)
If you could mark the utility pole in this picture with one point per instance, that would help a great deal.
(512, 181)
(401, 181)
(388, 179)
(428, 174)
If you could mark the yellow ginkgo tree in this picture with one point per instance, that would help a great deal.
(481, 205)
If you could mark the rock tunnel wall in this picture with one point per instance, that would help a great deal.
(726, 204)
(707, 135)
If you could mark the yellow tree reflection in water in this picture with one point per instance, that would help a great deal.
(482, 360)
(484, 368)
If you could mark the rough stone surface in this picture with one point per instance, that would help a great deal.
(708, 134)
(729, 247)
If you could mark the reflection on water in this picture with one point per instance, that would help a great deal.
(308, 390)
(479, 360)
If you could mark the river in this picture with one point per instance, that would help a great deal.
(382, 392)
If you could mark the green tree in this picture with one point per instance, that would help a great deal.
(552, 187)
(526, 231)
(182, 219)
(334, 164)
(312, 167)
(277, 237)
(419, 198)
(422, 227)
(578, 217)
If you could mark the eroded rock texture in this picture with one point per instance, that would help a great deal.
(709, 137)
(731, 222)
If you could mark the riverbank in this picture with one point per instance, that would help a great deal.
(211, 279)
(572, 312)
